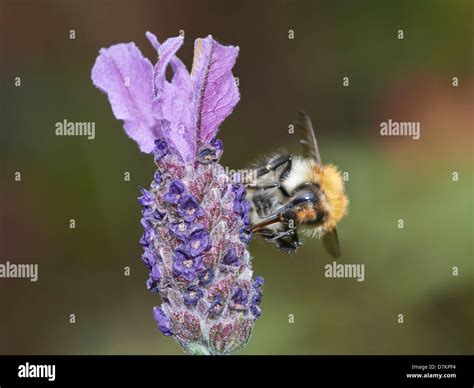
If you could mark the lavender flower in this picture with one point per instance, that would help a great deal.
(175, 191)
(198, 242)
(186, 266)
(188, 208)
(230, 258)
(195, 220)
(192, 295)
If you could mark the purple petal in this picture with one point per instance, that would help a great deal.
(216, 306)
(245, 235)
(179, 69)
(155, 273)
(152, 285)
(199, 242)
(255, 310)
(206, 276)
(192, 295)
(173, 107)
(160, 149)
(175, 192)
(146, 198)
(149, 258)
(214, 85)
(259, 282)
(189, 208)
(231, 258)
(257, 298)
(186, 267)
(126, 76)
(162, 320)
(239, 300)
(180, 229)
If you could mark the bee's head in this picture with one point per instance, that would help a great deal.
(320, 201)
(305, 205)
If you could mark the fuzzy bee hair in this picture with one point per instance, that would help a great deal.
(298, 192)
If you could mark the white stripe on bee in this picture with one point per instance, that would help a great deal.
(301, 172)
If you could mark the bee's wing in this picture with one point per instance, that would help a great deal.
(308, 141)
(331, 243)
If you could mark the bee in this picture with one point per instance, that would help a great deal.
(289, 194)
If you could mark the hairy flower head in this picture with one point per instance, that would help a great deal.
(196, 222)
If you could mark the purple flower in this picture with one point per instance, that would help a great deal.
(155, 273)
(239, 300)
(245, 235)
(246, 220)
(216, 307)
(230, 258)
(152, 285)
(257, 286)
(175, 192)
(157, 215)
(150, 216)
(192, 294)
(188, 208)
(206, 276)
(148, 258)
(236, 206)
(146, 223)
(152, 107)
(157, 178)
(257, 298)
(185, 266)
(180, 229)
(255, 310)
(176, 119)
(160, 149)
(218, 145)
(207, 155)
(241, 206)
(259, 282)
(239, 192)
(244, 207)
(146, 199)
(162, 320)
(211, 153)
(199, 242)
(146, 237)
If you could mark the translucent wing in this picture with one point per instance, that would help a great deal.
(331, 244)
(308, 141)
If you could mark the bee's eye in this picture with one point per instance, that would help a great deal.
(320, 217)
(305, 197)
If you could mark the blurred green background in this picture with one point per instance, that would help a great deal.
(408, 271)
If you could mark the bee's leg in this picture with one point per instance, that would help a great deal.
(255, 186)
(265, 232)
(272, 234)
(288, 214)
(274, 164)
(268, 221)
(283, 234)
(288, 243)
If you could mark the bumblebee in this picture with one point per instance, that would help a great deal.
(289, 194)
